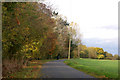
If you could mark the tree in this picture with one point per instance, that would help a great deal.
(83, 51)
(78, 43)
(83, 54)
(109, 56)
(115, 57)
(92, 52)
(99, 51)
(29, 32)
(72, 34)
(61, 30)
(100, 56)
(74, 52)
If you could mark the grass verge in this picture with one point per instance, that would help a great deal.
(95, 67)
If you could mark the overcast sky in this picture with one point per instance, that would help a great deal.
(97, 20)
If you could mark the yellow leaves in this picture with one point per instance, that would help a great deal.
(26, 45)
(34, 42)
(27, 28)
(71, 24)
(28, 56)
(3, 40)
(4, 8)
(38, 42)
(75, 23)
(100, 56)
(35, 49)
(31, 47)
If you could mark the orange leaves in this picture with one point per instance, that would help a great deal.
(27, 28)
(51, 42)
(18, 22)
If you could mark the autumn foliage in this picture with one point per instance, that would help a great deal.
(30, 31)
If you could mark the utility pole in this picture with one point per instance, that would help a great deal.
(69, 49)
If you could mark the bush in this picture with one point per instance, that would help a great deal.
(10, 66)
(110, 58)
(115, 57)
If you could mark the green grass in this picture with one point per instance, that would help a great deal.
(31, 71)
(95, 67)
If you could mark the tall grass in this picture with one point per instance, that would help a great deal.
(11, 66)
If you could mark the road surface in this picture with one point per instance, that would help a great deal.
(58, 69)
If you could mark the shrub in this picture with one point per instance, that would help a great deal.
(101, 56)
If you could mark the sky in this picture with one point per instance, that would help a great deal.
(97, 21)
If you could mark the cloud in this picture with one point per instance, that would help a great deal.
(100, 33)
(109, 45)
(111, 27)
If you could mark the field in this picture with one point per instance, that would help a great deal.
(96, 68)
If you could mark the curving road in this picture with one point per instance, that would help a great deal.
(58, 69)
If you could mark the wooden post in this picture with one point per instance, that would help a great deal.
(69, 49)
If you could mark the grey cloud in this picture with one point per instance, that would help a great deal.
(109, 27)
(111, 47)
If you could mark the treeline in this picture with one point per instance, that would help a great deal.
(93, 52)
(31, 31)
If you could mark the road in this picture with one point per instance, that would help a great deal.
(58, 69)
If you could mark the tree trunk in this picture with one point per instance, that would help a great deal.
(78, 52)
(69, 48)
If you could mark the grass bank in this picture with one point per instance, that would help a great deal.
(95, 67)
(30, 71)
